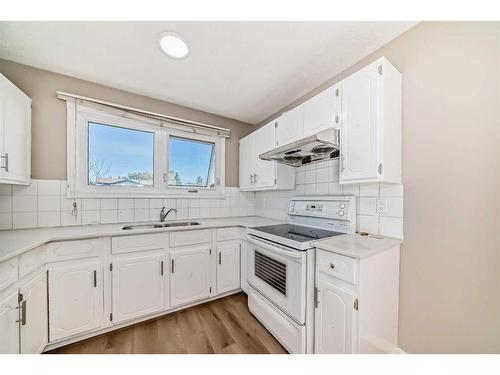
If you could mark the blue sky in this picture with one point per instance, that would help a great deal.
(190, 159)
(126, 151)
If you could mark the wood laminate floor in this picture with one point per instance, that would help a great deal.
(224, 326)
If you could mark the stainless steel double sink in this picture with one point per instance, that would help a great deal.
(161, 225)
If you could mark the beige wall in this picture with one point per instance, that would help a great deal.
(450, 259)
(49, 117)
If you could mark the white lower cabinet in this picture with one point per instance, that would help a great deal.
(34, 331)
(189, 274)
(139, 285)
(9, 324)
(228, 266)
(334, 320)
(357, 300)
(75, 298)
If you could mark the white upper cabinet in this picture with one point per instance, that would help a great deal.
(258, 174)
(15, 134)
(371, 125)
(246, 162)
(290, 126)
(321, 111)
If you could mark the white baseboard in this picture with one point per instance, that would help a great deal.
(399, 351)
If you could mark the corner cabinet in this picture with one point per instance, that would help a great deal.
(370, 148)
(356, 301)
(15, 134)
(257, 174)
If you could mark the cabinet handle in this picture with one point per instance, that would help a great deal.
(332, 266)
(95, 279)
(161, 268)
(23, 313)
(220, 257)
(251, 178)
(173, 267)
(342, 165)
(6, 166)
(254, 178)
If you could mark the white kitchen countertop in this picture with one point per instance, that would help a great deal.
(16, 242)
(356, 246)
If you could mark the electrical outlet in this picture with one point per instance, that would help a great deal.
(381, 206)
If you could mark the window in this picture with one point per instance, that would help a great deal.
(119, 156)
(191, 163)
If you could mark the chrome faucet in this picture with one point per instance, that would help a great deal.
(163, 213)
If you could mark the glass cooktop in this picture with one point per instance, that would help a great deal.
(297, 232)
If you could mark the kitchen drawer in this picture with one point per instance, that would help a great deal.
(283, 328)
(231, 233)
(140, 242)
(77, 249)
(32, 260)
(189, 237)
(338, 266)
(8, 272)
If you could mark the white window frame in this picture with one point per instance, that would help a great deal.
(79, 116)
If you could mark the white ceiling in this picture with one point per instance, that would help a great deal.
(242, 70)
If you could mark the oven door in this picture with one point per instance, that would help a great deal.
(279, 274)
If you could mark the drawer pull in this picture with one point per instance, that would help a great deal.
(95, 279)
(332, 266)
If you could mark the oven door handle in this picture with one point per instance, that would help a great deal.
(293, 254)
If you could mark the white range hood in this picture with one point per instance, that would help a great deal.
(321, 146)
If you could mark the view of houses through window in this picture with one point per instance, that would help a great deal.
(120, 156)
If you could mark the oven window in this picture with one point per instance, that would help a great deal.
(271, 271)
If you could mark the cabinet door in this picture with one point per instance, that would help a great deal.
(15, 136)
(189, 270)
(320, 112)
(138, 287)
(75, 298)
(228, 266)
(9, 324)
(359, 125)
(290, 126)
(265, 170)
(334, 320)
(34, 332)
(247, 164)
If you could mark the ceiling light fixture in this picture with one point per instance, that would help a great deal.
(173, 45)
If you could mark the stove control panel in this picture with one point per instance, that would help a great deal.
(333, 207)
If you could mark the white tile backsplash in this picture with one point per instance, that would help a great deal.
(49, 187)
(49, 203)
(44, 203)
(5, 204)
(21, 220)
(5, 220)
(24, 203)
(91, 204)
(49, 219)
(5, 190)
(311, 180)
(31, 189)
